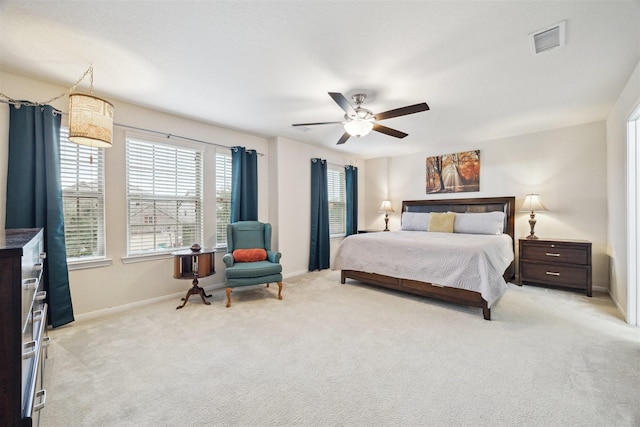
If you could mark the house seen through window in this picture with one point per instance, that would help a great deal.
(164, 196)
(82, 181)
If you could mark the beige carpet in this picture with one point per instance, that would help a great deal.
(348, 355)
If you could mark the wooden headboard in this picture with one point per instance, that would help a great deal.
(483, 204)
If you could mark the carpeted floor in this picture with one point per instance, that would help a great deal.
(348, 355)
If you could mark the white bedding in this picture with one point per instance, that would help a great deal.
(468, 261)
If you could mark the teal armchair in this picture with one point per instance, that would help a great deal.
(249, 259)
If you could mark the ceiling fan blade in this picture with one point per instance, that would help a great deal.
(388, 131)
(343, 138)
(342, 102)
(318, 123)
(410, 109)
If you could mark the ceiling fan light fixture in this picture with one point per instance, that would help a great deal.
(358, 127)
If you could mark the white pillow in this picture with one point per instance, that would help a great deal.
(415, 221)
(479, 223)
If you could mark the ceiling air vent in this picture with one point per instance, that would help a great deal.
(547, 38)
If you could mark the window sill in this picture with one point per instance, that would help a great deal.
(94, 263)
(130, 259)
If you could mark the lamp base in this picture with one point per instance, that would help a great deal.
(386, 222)
(195, 290)
(532, 224)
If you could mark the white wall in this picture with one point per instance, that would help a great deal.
(628, 100)
(294, 198)
(566, 166)
(119, 284)
(572, 168)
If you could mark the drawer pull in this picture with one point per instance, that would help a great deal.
(30, 284)
(28, 350)
(42, 396)
(551, 254)
(46, 341)
(41, 296)
(551, 273)
(43, 255)
(38, 315)
(37, 267)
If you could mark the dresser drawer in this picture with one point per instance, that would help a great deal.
(555, 274)
(553, 253)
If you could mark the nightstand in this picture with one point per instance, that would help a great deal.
(556, 263)
(369, 231)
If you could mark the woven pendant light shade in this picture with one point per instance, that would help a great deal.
(90, 120)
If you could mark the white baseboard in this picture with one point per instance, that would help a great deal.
(294, 274)
(177, 295)
(125, 307)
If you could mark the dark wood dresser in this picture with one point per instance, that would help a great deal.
(556, 263)
(23, 314)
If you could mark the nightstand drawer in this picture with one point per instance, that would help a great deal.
(554, 274)
(553, 253)
(556, 263)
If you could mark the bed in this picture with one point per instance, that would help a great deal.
(458, 267)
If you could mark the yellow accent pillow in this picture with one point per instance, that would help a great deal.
(441, 221)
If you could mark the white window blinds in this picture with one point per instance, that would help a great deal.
(164, 196)
(223, 195)
(337, 200)
(82, 180)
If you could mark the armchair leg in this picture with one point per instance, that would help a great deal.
(279, 290)
(228, 297)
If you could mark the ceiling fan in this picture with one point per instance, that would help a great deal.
(359, 121)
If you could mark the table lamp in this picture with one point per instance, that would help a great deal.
(532, 204)
(386, 208)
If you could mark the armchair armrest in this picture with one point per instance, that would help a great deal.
(274, 256)
(228, 260)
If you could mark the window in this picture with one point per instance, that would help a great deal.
(223, 196)
(337, 200)
(82, 180)
(164, 196)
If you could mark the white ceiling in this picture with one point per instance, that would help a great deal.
(259, 66)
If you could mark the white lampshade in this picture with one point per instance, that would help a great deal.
(532, 203)
(386, 206)
(358, 127)
(90, 120)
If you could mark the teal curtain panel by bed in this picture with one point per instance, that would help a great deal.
(319, 250)
(34, 196)
(244, 184)
(351, 188)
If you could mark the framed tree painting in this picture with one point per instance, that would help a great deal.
(454, 173)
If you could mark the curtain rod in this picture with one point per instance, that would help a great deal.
(168, 135)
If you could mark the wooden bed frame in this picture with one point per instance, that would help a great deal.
(454, 295)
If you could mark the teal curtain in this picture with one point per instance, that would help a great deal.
(244, 184)
(351, 188)
(319, 250)
(34, 196)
